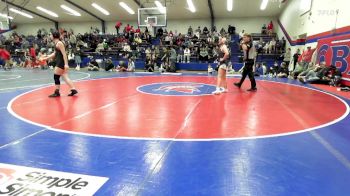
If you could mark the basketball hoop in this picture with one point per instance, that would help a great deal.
(151, 24)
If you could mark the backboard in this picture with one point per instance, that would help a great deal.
(151, 16)
(4, 23)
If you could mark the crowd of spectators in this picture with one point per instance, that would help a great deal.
(303, 67)
(132, 44)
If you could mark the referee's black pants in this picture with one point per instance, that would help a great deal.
(248, 71)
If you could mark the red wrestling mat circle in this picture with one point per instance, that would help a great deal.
(115, 107)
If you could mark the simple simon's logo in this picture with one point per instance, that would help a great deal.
(6, 175)
(21, 181)
(177, 89)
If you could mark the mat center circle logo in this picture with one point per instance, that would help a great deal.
(177, 89)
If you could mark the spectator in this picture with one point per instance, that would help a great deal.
(230, 69)
(99, 47)
(311, 67)
(163, 66)
(77, 59)
(307, 55)
(270, 28)
(299, 69)
(283, 44)
(127, 29)
(173, 55)
(187, 54)
(148, 37)
(109, 64)
(32, 52)
(231, 30)
(203, 54)
(180, 55)
(5, 57)
(81, 43)
(126, 50)
(278, 47)
(165, 32)
(117, 26)
(260, 46)
(213, 29)
(215, 53)
(131, 65)
(190, 31)
(261, 69)
(222, 32)
(205, 31)
(122, 67)
(165, 54)
(148, 53)
(138, 31)
(241, 35)
(295, 60)
(315, 75)
(210, 69)
(334, 75)
(149, 64)
(283, 71)
(137, 39)
(160, 32)
(272, 46)
(133, 49)
(287, 56)
(274, 70)
(93, 65)
(263, 29)
(198, 30)
(70, 57)
(167, 40)
(155, 52)
(72, 40)
(171, 67)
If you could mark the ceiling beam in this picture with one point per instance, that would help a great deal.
(212, 17)
(27, 10)
(138, 3)
(81, 8)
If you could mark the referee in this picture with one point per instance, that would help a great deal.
(248, 57)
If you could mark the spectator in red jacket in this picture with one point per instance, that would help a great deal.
(117, 26)
(270, 28)
(307, 54)
(4, 54)
(138, 30)
(127, 28)
(5, 58)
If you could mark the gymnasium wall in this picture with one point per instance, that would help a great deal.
(322, 18)
(252, 25)
(326, 26)
(32, 28)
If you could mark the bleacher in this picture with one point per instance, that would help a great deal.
(115, 51)
(194, 65)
